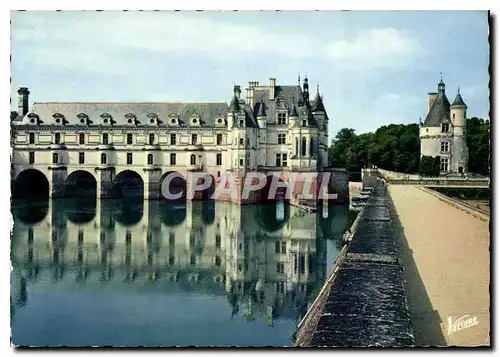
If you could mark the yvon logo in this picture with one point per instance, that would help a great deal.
(461, 323)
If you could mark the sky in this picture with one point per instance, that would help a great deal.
(373, 68)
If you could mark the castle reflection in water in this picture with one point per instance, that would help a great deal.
(267, 259)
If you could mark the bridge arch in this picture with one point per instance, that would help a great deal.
(128, 184)
(80, 183)
(172, 214)
(175, 183)
(273, 213)
(80, 209)
(30, 183)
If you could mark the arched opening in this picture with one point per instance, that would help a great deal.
(208, 205)
(127, 212)
(303, 147)
(30, 212)
(31, 183)
(80, 184)
(80, 209)
(274, 212)
(173, 186)
(172, 214)
(128, 184)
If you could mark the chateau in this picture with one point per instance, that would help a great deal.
(443, 133)
(272, 127)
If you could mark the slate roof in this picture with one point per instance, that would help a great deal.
(318, 105)
(440, 111)
(143, 112)
(290, 95)
(458, 100)
(262, 110)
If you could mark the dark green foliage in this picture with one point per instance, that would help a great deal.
(396, 147)
(478, 142)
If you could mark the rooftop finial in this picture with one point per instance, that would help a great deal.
(459, 89)
(441, 76)
(299, 79)
(317, 87)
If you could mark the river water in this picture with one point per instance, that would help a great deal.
(149, 273)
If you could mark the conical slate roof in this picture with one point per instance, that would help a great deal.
(440, 111)
(458, 100)
(235, 105)
(262, 110)
(318, 105)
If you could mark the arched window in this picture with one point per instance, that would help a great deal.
(296, 146)
(303, 146)
(193, 159)
(312, 147)
(150, 159)
(103, 159)
(55, 158)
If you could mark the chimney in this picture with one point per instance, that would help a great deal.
(430, 97)
(237, 91)
(272, 88)
(250, 92)
(23, 105)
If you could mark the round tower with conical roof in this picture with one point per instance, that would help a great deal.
(458, 114)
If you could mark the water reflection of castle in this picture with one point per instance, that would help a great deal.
(263, 257)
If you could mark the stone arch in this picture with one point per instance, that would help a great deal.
(128, 184)
(273, 213)
(31, 212)
(80, 183)
(172, 214)
(30, 183)
(173, 184)
(80, 209)
(126, 212)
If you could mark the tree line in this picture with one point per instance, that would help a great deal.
(396, 147)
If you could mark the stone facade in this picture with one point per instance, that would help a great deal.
(274, 128)
(443, 133)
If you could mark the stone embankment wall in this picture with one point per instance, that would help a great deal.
(363, 302)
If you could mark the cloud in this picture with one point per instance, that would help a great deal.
(380, 47)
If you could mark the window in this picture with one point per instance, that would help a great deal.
(57, 138)
(242, 123)
(241, 162)
(172, 139)
(241, 141)
(103, 159)
(193, 159)
(281, 138)
(297, 146)
(445, 127)
(172, 159)
(304, 122)
(219, 159)
(445, 146)
(312, 147)
(284, 159)
(281, 118)
(278, 159)
(81, 158)
(129, 158)
(194, 139)
(171, 238)
(128, 236)
(151, 139)
(277, 246)
(444, 164)
(32, 138)
(32, 158)
(453, 115)
(280, 267)
(105, 138)
(81, 138)
(217, 240)
(80, 237)
(150, 159)
(303, 147)
(219, 139)
(283, 247)
(129, 139)
(55, 158)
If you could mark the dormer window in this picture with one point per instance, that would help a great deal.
(33, 118)
(304, 122)
(281, 118)
(58, 118)
(242, 123)
(445, 127)
(153, 118)
(83, 118)
(131, 119)
(106, 118)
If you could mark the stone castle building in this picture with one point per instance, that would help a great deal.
(273, 127)
(443, 133)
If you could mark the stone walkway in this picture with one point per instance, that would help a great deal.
(446, 258)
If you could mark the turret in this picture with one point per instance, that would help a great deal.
(23, 103)
(458, 111)
(305, 89)
(293, 116)
(234, 109)
(262, 116)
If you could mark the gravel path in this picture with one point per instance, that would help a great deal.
(445, 253)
